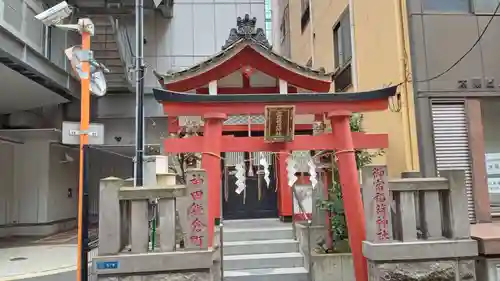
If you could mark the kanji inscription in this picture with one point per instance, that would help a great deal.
(377, 203)
(196, 210)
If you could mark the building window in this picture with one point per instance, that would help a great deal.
(342, 52)
(284, 24)
(268, 19)
(490, 116)
(342, 41)
(484, 6)
(450, 5)
(305, 15)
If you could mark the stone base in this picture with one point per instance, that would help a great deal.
(178, 276)
(420, 250)
(324, 266)
(37, 229)
(317, 237)
(445, 270)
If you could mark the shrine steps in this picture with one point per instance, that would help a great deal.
(261, 250)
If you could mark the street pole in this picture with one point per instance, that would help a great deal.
(84, 140)
(139, 90)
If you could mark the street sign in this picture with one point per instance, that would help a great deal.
(280, 123)
(71, 133)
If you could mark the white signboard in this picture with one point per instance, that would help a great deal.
(71, 133)
(493, 163)
(494, 185)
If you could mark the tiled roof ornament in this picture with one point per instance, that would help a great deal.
(246, 30)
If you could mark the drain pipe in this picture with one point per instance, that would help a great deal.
(354, 65)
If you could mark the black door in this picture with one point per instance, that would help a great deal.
(254, 204)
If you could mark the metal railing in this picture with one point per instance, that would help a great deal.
(124, 46)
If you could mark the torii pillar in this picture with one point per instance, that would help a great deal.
(211, 162)
(351, 190)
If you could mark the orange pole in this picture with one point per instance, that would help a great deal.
(84, 139)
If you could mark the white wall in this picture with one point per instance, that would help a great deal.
(62, 176)
(31, 181)
(156, 130)
(6, 182)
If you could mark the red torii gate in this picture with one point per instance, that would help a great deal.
(338, 109)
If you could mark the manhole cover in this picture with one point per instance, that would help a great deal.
(18, 259)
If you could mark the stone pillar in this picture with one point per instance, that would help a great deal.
(167, 215)
(349, 179)
(109, 216)
(211, 162)
(140, 212)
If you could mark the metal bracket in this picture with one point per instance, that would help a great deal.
(79, 133)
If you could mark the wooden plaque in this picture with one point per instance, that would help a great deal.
(280, 123)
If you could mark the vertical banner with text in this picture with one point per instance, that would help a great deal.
(196, 210)
(377, 203)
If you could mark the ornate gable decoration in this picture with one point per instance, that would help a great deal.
(246, 30)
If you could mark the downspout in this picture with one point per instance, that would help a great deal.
(409, 142)
(311, 39)
(354, 65)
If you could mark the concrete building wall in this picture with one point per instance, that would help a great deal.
(300, 40)
(7, 182)
(39, 185)
(436, 46)
(381, 48)
(197, 31)
(62, 200)
(441, 34)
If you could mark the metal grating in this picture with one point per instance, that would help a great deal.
(256, 158)
(233, 158)
(451, 143)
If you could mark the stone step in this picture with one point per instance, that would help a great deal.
(253, 223)
(110, 62)
(261, 233)
(261, 247)
(105, 46)
(267, 274)
(105, 56)
(103, 37)
(116, 69)
(277, 260)
(106, 53)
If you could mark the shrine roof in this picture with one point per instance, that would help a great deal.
(162, 95)
(246, 45)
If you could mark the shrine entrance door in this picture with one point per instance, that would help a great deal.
(257, 200)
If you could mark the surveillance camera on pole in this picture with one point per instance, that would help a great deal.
(55, 15)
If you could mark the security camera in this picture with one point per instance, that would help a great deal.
(55, 14)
